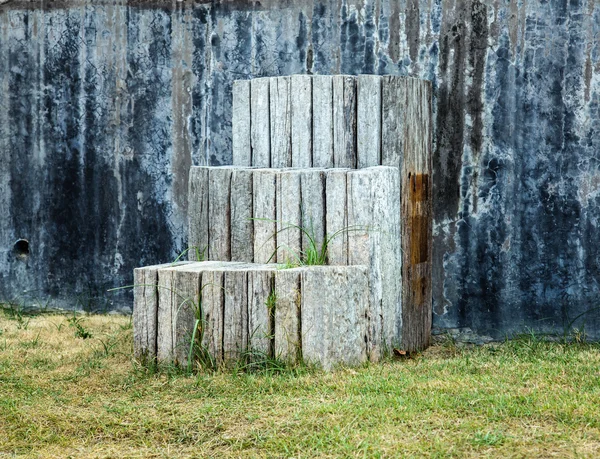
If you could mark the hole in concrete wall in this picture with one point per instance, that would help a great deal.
(21, 248)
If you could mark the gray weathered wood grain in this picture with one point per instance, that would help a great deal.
(335, 303)
(312, 183)
(417, 217)
(386, 250)
(260, 123)
(336, 218)
(344, 121)
(301, 88)
(322, 121)
(393, 112)
(260, 316)
(212, 310)
(164, 335)
(287, 315)
(186, 288)
(281, 122)
(198, 197)
(235, 315)
(264, 205)
(241, 224)
(145, 311)
(289, 237)
(241, 123)
(219, 214)
(368, 121)
(373, 206)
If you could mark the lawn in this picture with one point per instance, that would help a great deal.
(62, 395)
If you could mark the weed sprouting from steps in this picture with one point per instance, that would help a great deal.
(317, 253)
(200, 253)
(197, 353)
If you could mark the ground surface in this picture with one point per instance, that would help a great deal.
(65, 396)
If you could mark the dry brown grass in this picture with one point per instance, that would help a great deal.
(64, 396)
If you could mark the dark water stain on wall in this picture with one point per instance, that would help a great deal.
(105, 106)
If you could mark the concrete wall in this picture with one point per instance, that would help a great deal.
(104, 107)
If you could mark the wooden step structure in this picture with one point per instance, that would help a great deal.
(342, 161)
(318, 314)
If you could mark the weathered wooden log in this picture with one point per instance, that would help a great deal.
(260, 123)
(241, 123)
(261, 312)
(186, 285)
(322, 121)
(392, 124)
(289, 217)
(219, 214)
(312, 184)
(241, 224)
(344, 121)
(336, 218)
(281, 122)
(264, 211)
(386, 251)
(145, 310)
(373, 212)
(368, 121)
(301, 88)
(235, 314)
(335, 303)
(179, 305)
(417, 217)
(288, 345)
(198, 213)
(212, 312)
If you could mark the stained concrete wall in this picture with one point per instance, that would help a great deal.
(104, 107)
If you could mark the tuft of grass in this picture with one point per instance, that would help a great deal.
(199, 252)
(316, 254)
(80, 330)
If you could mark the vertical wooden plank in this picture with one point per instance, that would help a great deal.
(289, 236)
(368, 122)
(186, 293)
(322, 121)
(144, 316)
(312, 184)
(212, 310)
(264, 205)
(335, 303)
(387, 255)
(417, 217)
(281, 122)
(287, 315)
(301, 87)
(198, 213)
(260, 309)
(344, 121)
(166, 298)
(241, 123)
(235, 315)
(392, 126)
(260, 123)
(362, 242)
(219, 214)
(336, 218)
(242, 225)
(145, 310)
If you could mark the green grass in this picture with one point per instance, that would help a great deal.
(63, 396)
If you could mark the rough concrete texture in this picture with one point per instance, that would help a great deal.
(103, 108)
